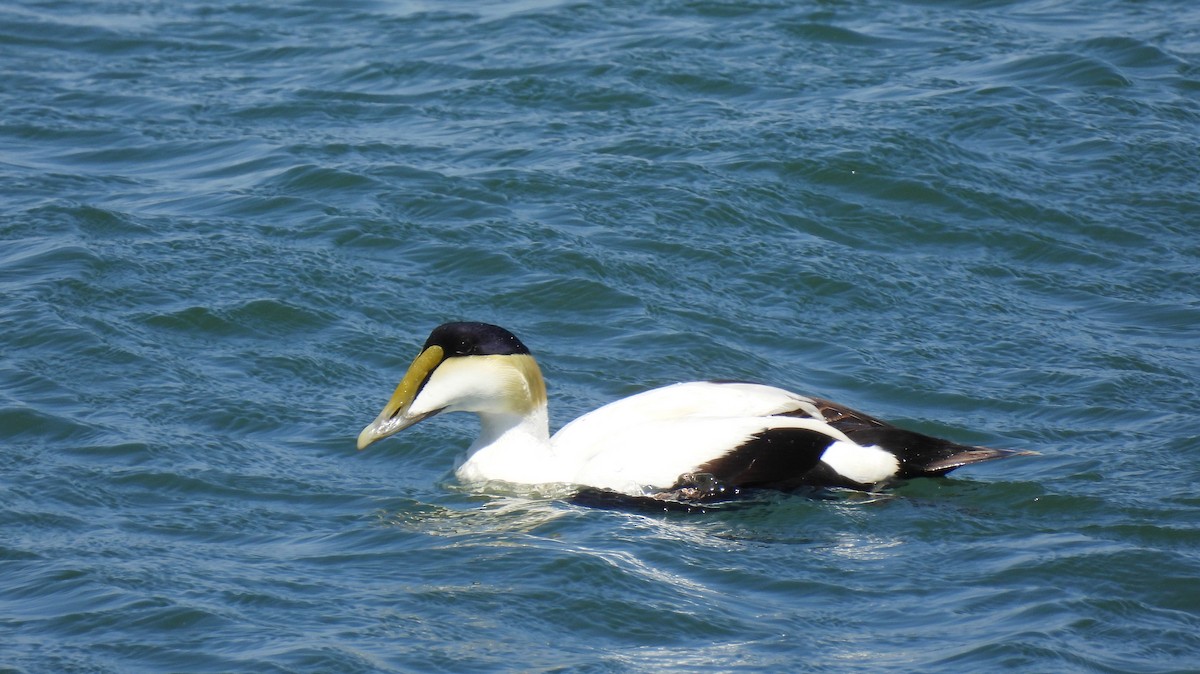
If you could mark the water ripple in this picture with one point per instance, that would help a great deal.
(227, 229)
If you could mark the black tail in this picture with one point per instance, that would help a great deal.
(924, 455)
(968, 455)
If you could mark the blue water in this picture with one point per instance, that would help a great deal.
(226, 228)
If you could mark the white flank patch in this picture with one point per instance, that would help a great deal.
(866, 465)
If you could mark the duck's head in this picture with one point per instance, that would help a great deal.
(463, 367)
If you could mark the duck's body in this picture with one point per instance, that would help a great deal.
(696, 439)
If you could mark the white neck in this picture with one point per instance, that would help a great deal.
(512, 447)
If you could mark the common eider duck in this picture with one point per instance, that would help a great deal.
(696, 440)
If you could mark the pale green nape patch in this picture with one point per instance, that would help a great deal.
(531, 376)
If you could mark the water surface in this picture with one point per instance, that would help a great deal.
(226, 228)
